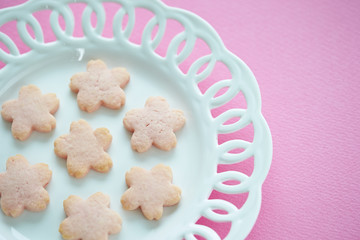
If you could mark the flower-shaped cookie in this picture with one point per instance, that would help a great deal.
(84, 149)
(89, 219)
(100, 86)
(154, 125)
(31, 111)
(22, 186)
(150, 190)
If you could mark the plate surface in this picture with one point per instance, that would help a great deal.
(195, 159)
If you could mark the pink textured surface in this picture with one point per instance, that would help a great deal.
(305, 56)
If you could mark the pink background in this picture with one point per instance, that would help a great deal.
(306, 58)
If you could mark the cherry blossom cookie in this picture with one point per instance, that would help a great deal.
(154, 125)
(31, 111)
(22, 186)
(89, 219)
(150, 191)
(100, 86)
(84, 149)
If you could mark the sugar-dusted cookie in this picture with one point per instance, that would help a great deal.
(90, 219)
(31, 111)
(154, 125)
(22, 186)
(150, 190)
(100, 86)
(84, 149)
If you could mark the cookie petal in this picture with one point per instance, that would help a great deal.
(100, 198)
(165, 140)
(163, 172)
(77, 167)
(21, 129)
(121, 76)
(157, 103)
(132, 119)
(37, 202)
(133, 175)
(2, 182)
(8, 110)
(30, 91)
(152, 212)
(67, 230)
(51, 102)
(115, 223)
(129, 199)
(11, 206)
(104, 164)
(114, 98)
(17, 162)
(43, 173)
(178, 119)
(45, 124)
(96, 66)
(71, 204)
(140, 141)
(61, 147)
(104, 137)
(77, 80)
(173, 196)
(88, 101)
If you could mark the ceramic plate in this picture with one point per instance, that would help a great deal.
(196, 158)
